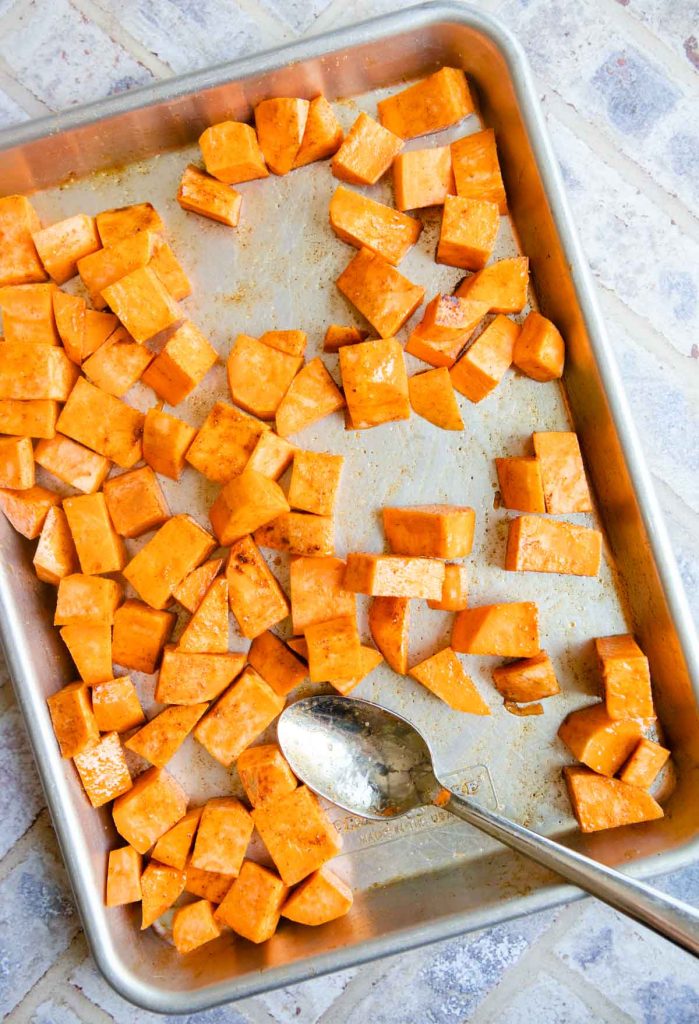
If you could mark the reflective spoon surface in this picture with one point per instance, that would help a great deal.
(376, 764)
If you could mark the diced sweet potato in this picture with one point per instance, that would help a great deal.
(16, 463)
(183, 363)
(225, 442)
(173, 847)
(323, 133)
(27, 510)
(118, 364)
(73, 720)
(259, 376)
(601, 803)
(165, 442)
(140, 634)
(161, 885)
(142, 303)
(320, 898)
(510, 630)
(292, 342)
(468, 232)
(271, 456)
(99, 327)
(62, 244)
(151, 807)
(207, 630)
(545, 545)
(160, 738)
(432, 397)
(366, 153)
(434, 103)
(225, 830)
(299, 534)
(103, 770)
(336, 337)
(312, 396)
(194, 925)
(70, 315)
(562, 471)
(19, 260)
(444, 329)
(240, 715)
(35, 418)
(528, 679)
(278, 666)
(123, 877)
(135, 502)
(170, 271)
(91, 649)
(191, 591)
(100, 548)
(103, 423)
(625, 677)
(210, 885)
(106, 266)
(600, 742)
(369, 659)
(380, 292)
(315, 478)
(394, 576)
(364, 223)
(643, 766)
(256, 599)
(423, 177)
(55, 556)
(27, 314)
(87, 600)
(317, 591)
(280, 125)
(179, 546)
(333, 650)
(432, 531)
(539, 350)
(194, 678)
(375, 382)
(245, 503)
(202, 194)
(116, 705)
(299, 646)
(454, 590)
(485, 362)
(520, 484)
(389, 622)
(232, 153)
(252, 905)
(297, 834)
(72, 463)
(31, 371)
(124, 221)
(477, 169)
(444, 675)
(265, 774)
(503, 285)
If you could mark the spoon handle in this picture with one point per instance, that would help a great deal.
(677, 921)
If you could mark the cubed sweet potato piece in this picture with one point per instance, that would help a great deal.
(643, 766)
(72, 463)
(520, 484)
(369, 659)
(259, 375)
(135, 502)
(423, 177)
(299, 534)
(477, 168)
(19, 260)
(292, 342)
(73, 719)
(35, 418)
(444, 675)
(106, 266)
(70, 316)
(140, 634)
(312, 395)
(16, 463)
(225, 830)
(436, 102)
(380, 292)
(123, 877)
(333, 650)
(535, 544)
(502, 286)
(394, 576)
(280, 125)
(160, 738)
(27, 314)
(432, 531)
(118, 364)
(320, 898)
(55, 556)
(265, 774)
(485, 362)
(90, 648)
(124, 221)
(210, 885)
(207, 630)
(116, 705)
(179, 546)
(336, 337)
(600, 803)
(245, 503)
(364, 223)
(170, 271)
(510, 630)
(256, 599)
(323, 133)
(432, 396)
(202, 194)
(62, 244)
(151, 807)
(191, 591)
(299, 646)
(297, 834)
(317, 591)
(375, 382)
(27, 510)
(183, 363)
(315, 478)
(271, 456)
(366, 153)
(142, 303)
(31, 371)
(99, 327)
(252, 905)
(232, 153)
(454, 590)
(225, 442)
(103, 770)
(87, 600)
(239, 716)
(444, 329)
(194, 925)
(194, 678)
(165, 442)
(100, 548)
(278, 666)
(600, 742)
(103, 423)
(562, 471)
(625, 677)
(468, 232)
(173, 847)
(527, 680)
(539, 350)
(161, 885)
(389, 622)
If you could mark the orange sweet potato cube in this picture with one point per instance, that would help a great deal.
(232, 153)
(394, 576)
(432, 531)
(55, 556)
(244, 503)
(264, 773)
(151, 807)
(312, 396)
(140, 634)
(106, 266)
(540, 350)
(259, 375)
(27, 314)
(380, 292)
(116, 705)
(160, 738)
(333, 650)
(72, 463)
(432, 396)
(207, 630)
(202, 194)
(103, 770)
(19, 260)
(183, 363)
(444, 329)
(600, 742)
(125, 221)
(160, 886)
(477, 169)
(528, 679)
(239, 716)
(225, 442)
(315, 478)
(434, 103)
(62, 244)
(123, 877)
(103, 423)
(194, 678)
(173, 847)
(100, 548)
(600, 803)
(194, 925)
(369, 659)
(73, 720)
(297, 834)
(142, 303)
(364, 223)
(423, 177)
(31, 371)
(118, 364)
(90, 648)
(166, 440)
(191, 591)
(278, 666)
(562, 471)
(520, 484)
(252, 905)
(535, 544)
(299, 646)
(70, 314)
(271, 456)
(99, 327)
(366, 153)
(484, 363)
(468, 232)
(317, 591)
(35, 418)
(299, 534)
(336, 337)
(323, 133)
(320, 898)
(256, 599)
(225, 830)
(280, 125)
(210, 885)
(643, 766)
(625, 677)
(292, 342)
(16, 463)
(27, 510)
(510, 630)
(444, 675)
(454, 590)
(375, 382)
(389, 622)
(135, 502)
(170, 271)
(179, 546)
(86, 600)
(503, 285)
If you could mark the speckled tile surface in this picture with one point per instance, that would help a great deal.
(619, 83)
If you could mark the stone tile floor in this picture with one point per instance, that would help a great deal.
(619, 84)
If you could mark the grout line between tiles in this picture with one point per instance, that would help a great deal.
(278, 30)
(54, 984)
(22, 96)
(631, 27)
(17, 853)
(109, 23)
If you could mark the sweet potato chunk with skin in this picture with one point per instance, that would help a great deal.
(477, 169)
(27, 314)
(315, 478)
(486, 360)
(562, 471)
(116, 705)
(152, 806)
(179, 546)
(520, 484)
(31, 371)
(232, 153)
(317, 591)
(207, 630)
(366, 153)
(103, 770)
(265, 774)
(393, 576)
(118, 364)
(73, 720)
(72, 463)
(510, 630)
(336, 337)
(259, 376)
(165, 442)
(527, 680)
(27, 510)
(210, 885)
(444, 675)
(191, 591)
(600, 742)
(271, 456)
(280, 125)
(140, 634)
(103, 423)
(19, 260)
(161, 885)
(320, 898)
(380, 292)
(55, 556)
(375, 382)
(600, 803)
(625, 677)
(252, 905)
(256, 599)
(239, 716)
(423, 177)
(431, 531)
(173, 847)
(100, 548)
(142, 303)
(369, 659)
(182, 364)
(545, 545)
(278, 666)
(62, 244)
(312, 395)
(224, 443)
(444, 329)
(432, 396)
(160, 738)
(16, 463)
(540, 350)
(297, 833)
(225, 830)
(364, 223)
(194, 678)
(333, 650)
(468, 232)
(135, 502)
(90, 648)
(434, 103)
(454, 591)
(106, 266)
(323, 133)
(389, 622)
(503, 285)
(35, 418)
(643, 766)
(299, 534)
(194, 925)
(125, 221)
(292, 342)
(245, 503)
(202, 194)
(86, 600)
(123, 877)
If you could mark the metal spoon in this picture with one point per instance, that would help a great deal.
(374, 763)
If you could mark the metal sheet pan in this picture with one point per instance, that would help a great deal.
(424, 878)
